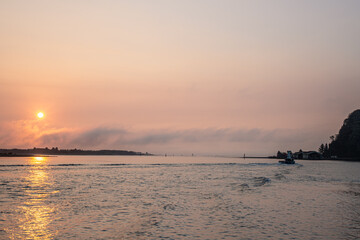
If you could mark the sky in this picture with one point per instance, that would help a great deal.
(178, 77)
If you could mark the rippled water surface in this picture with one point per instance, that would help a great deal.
(118, 197)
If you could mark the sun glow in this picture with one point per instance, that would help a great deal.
(40, 115)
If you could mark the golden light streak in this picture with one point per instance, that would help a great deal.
(38, 160)
(35, 212)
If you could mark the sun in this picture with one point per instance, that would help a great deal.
(40, 115)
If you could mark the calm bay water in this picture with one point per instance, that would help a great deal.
(118, 197)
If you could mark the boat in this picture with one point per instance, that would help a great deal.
(289, 159)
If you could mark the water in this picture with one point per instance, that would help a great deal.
(120, 197)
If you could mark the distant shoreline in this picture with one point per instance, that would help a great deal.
(26, 155)
(14, 153)
(331, 159)
(38, 152)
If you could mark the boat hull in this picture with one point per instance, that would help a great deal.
(287, 162)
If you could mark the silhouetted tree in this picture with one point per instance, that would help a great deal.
(326, 151)
(280, 155)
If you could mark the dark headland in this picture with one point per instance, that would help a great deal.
(343, 146)
(55, 151)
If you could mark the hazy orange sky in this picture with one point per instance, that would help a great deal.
(203, 77)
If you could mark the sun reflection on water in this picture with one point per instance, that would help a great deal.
(36, 212)
(38, 160)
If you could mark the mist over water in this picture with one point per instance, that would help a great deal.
(113, 197)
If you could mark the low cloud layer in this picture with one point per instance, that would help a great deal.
(226, 141)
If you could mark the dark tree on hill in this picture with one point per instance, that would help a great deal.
(326, 151)
(322, 148)
(346, 144)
